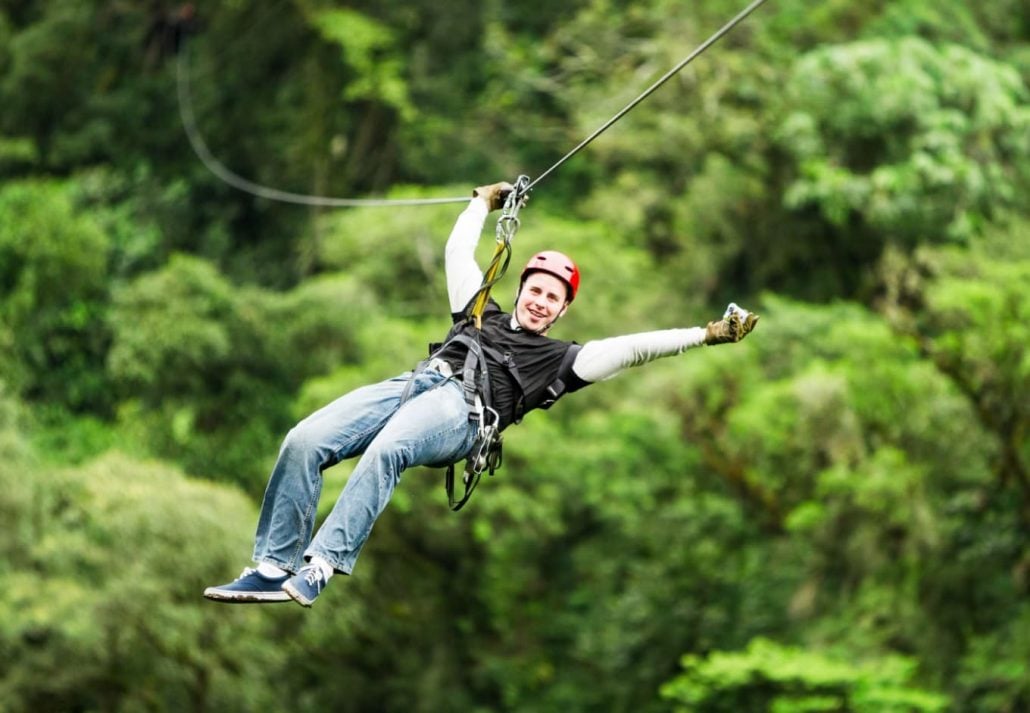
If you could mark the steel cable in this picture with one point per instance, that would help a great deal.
(647, 92)
(200, 148)
(196, 140)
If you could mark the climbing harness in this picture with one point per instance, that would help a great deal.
(485, 452)
(485, 455)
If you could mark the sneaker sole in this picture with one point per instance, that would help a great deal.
(296, 596)
(221, 595)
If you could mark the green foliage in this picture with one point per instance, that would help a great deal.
(395, 255)
(13, 445)
(170, 324)
(72, 83)
(15, 152)
(102, 567)
(879, 469)
(207, 369)
(949, 21)
(370, 49)
(784, 679)
(53, 297)
(917, 142)
(995, 674)
(970, 318)
(851, 481)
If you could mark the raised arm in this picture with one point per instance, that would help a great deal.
(464, 277)
(463, 274)
(601, 359)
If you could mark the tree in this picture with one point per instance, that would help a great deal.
(102, 570)
(207, 370)
(900, 142)
(784, 679)
(53, 297)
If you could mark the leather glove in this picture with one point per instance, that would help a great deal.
(734, 326)
(494, 194)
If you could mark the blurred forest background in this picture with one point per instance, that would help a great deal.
(833, 515)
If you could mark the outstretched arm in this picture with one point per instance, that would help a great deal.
(601, 359)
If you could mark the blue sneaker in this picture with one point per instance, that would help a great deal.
(306, 585)
(251, 586)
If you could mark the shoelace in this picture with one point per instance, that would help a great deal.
(247, 571)
(313, 576)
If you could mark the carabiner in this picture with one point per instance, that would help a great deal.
(508, 223)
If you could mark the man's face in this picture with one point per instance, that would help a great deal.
(540, 302)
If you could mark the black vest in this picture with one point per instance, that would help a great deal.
(526, 370)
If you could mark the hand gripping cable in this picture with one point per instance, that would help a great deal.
(507, 227)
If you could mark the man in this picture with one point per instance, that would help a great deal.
(434, 415)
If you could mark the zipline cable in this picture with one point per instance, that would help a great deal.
(200, 148)
(647, 92)
(506, 229)
(196, 140)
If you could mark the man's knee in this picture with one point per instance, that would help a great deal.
(302, 439)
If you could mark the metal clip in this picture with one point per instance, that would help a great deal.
(483, 455)
(732, 308)
(508, 223)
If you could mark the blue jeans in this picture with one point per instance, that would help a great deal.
(431, 428)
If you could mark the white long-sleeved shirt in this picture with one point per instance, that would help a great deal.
(599, 359)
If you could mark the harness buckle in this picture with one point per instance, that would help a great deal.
(485, 455)
(440, 366)
(486, 449)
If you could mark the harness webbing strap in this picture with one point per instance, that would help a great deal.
(474, 375)
(485, 453)
(557, 388)
(494, 272)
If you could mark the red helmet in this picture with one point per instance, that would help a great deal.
(554, 263)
